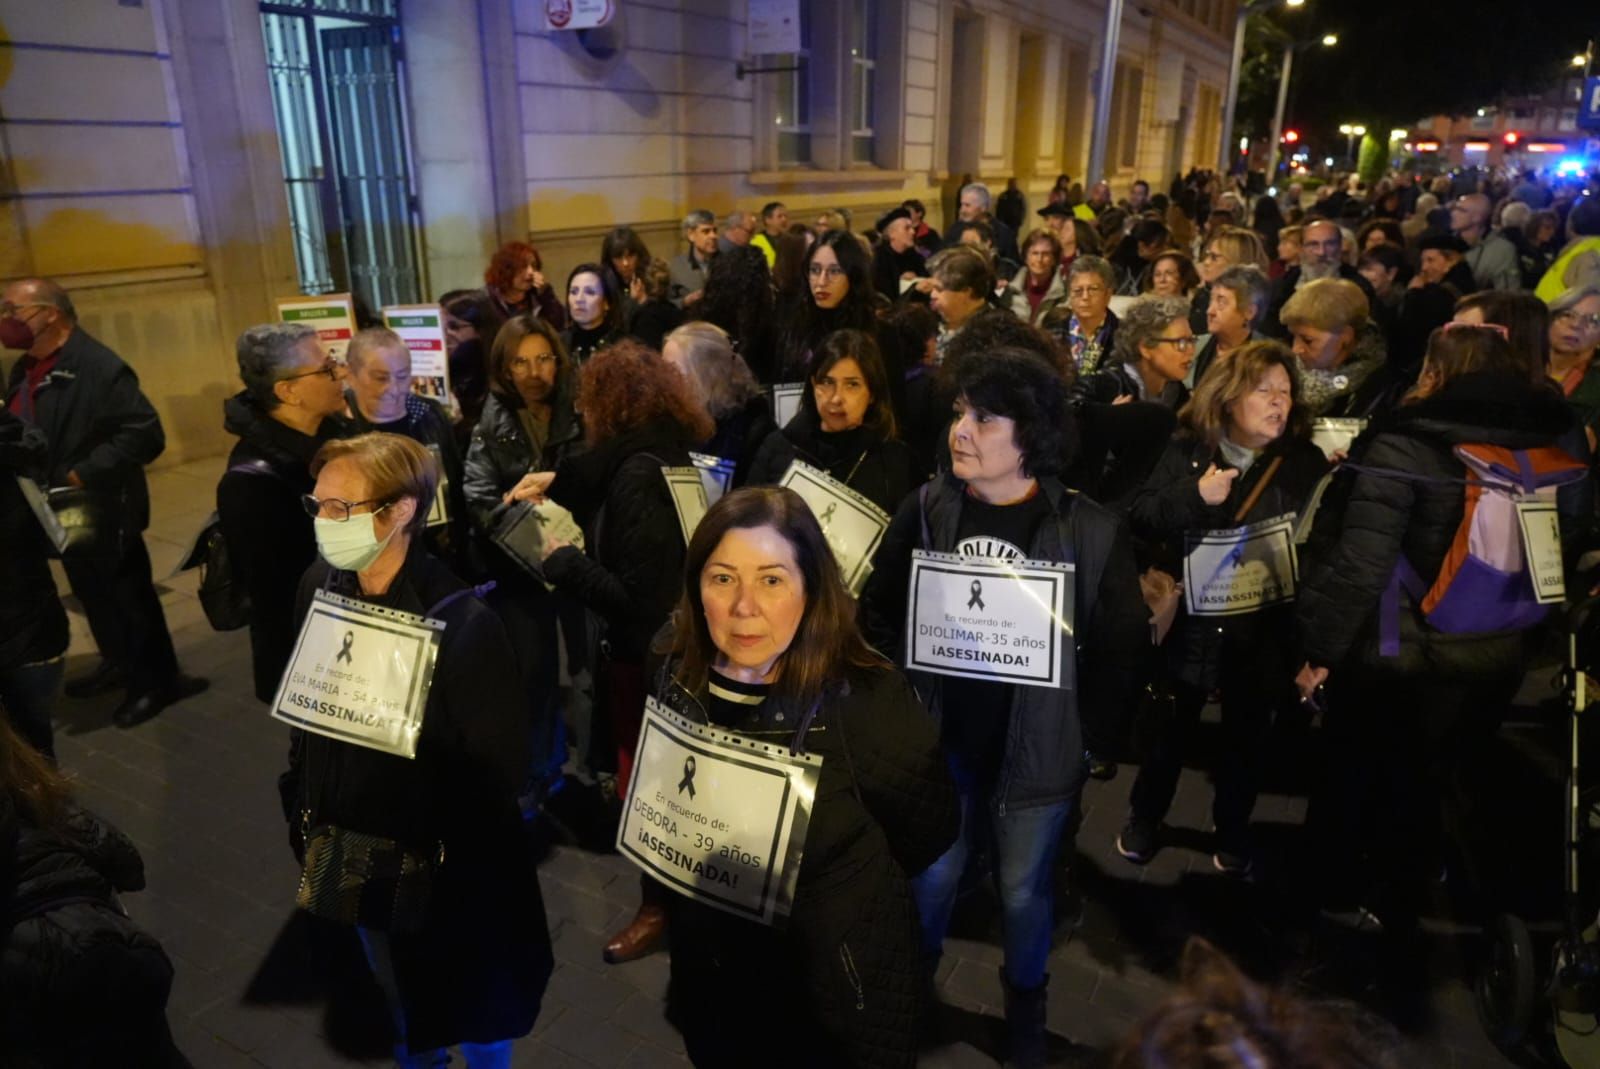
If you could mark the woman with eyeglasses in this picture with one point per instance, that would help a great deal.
(1242, 454)
(1401, 694)
(469, 964)
(845, 426)
(1085, 324)
(1574, 335)
(292, 403)
(835, 293)
(1154, 348)
(1228, 246)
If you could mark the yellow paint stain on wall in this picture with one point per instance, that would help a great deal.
(72, 241)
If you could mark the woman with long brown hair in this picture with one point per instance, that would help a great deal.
(639, 417)
(764, 644)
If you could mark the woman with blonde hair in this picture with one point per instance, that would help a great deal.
(722, 381)
(1242, 454)
(1230, 245)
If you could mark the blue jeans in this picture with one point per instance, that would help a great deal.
(477, 1055)
(1025, 842)
(28, 693)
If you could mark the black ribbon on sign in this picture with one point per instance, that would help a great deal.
(827, 513)
(344, 651)
(688, 776)
(977, 594)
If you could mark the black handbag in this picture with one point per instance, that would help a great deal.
(369, 881)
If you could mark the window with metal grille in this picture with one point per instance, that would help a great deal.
(792, 112)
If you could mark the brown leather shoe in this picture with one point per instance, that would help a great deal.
(646, 934)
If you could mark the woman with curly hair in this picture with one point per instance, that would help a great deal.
(639, 416)
(738, 298)
(517, 286)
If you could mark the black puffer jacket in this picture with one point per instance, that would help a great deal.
(1367, 520)
(633, 572)
(99, 425)
(740, 435)
(878, 468)
(1044, 747)
(80, 983)
(33, 625)
(476, 970)
(1169, 506)
(427, 424)
(838, 986)
(501, 452)
(271, 540)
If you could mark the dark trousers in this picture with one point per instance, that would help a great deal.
(28, 693)
(1247, 700)
(118, 595)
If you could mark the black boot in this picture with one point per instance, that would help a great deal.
(1024, 1025)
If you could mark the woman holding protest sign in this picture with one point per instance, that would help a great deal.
(402, 792)
(1242, 458)
(640, 419)
(1025, 619)
(764, 644)
(845, 426)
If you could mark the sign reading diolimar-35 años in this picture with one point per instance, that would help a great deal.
(1006, 621)
(717, 816)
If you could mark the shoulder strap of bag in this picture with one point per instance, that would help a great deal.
(450, 599)
(1259, 489)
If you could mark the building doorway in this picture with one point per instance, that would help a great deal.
(337, 69)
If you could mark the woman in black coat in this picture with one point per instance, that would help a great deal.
(292, 403)
(1243, 454)
(838, 984)
(1395, 720)
(738, 298)
(845, 427)
(722, 382)
(595, 309)
(639, 417)
(474, 971)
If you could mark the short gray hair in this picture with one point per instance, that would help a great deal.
(1093, 265)
(371, 340)
(739, 220)
(981, 190)
(1249, 286)
(698, 217)
(717, 373)
(1144, 322)
(1516, 214)
(1571, 298)
(266, 356)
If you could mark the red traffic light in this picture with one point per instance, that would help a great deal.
(1291, 136)
(1512, 137)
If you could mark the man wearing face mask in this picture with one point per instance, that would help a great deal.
(101, 431)
(378, 392)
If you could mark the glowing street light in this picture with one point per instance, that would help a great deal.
(1329, 40)
(1397, 135)
(1578, 60)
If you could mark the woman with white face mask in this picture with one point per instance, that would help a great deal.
(471, 968)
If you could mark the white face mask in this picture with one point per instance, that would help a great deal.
(353, 544)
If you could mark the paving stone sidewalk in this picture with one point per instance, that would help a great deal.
(196, 789)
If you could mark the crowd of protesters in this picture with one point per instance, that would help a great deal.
(1097, 384)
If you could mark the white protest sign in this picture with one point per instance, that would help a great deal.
(716, 816)
(1541, 546)
(332, 315)
(421, 327)
(439, 513)
(1241, 569)
(716, 473)
(39, 504)
(998, 620)
(688, 498)
(773, 26)
(360, 673)
(852, 525)
(1335, 435)
(786, 401)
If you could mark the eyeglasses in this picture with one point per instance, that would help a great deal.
(1184, 344)
(1211, 255)
(9, 310)
(1589, 322)
(1499, 328)
(336, 509)
(832, 271)
(1086, 291)
(330, 368)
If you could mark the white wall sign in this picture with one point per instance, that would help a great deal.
(774, 26)
(577, 14)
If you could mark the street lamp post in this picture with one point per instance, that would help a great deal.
(1289, 49)
(1251, 7)
(1351, 132)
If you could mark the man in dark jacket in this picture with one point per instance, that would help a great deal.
(101, 431)
(896, 258)
(1321, 256)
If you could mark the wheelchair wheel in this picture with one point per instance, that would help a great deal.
(1507, 988)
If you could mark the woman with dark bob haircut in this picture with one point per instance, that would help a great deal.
(845, 425)
(595, 308)
(1242, 454)
(639, 417)
(764, 643)
(1016, 751)
(516, 285)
